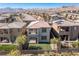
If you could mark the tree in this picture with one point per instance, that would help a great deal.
(56, 43)
(22, 42)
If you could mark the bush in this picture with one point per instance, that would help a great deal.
(35, 48)
(22, 42)
(75, 44)
(7, 47)
(55, 40)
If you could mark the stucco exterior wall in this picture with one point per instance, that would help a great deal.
(39, 34)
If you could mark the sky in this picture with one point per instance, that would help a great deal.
(36, 5)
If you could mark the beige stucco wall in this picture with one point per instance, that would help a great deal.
(13, 35)
(72, 33)
(39, 34)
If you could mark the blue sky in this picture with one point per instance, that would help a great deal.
(36, 5)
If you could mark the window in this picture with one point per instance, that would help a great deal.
(75, 28)
(43, 37)
(5, 31)
(32, 38)
(1, 31)
(30, 29)
(18, 30)
(4, 40)
(11, 30)
(43, 30)
(33, 31)
(64, 29)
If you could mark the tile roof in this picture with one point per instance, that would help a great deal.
(66, 23)
(17, 24)
(38, 24)
(2, 18)
(28, 18)
(12, 25)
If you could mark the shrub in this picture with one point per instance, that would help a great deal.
(55, 41)
(7, 47)
(22, 42)
(21, 39)
(75, 44)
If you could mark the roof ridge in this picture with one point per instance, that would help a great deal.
(34, 23)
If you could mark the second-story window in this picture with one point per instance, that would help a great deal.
(67, 29)
(1, 31)
(64, 29)
(75, 28)
(33, 31)
(5, 31)
(30, 30)
(44, 30)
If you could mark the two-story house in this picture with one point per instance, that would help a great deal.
(38, 31)
(9, 31)
(28, 18)
(3, 19)
(67, 30)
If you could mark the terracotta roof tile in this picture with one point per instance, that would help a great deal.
(38, 24)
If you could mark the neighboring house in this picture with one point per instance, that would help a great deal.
(67, 30)
(3, 19)
(55, 17)
(28, 18)
(9, 32)
(8, 19)
(38, 31)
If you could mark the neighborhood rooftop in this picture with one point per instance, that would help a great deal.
(12, 25)
(38, 24)
(66, 23)
(2, 18)
(28, 18)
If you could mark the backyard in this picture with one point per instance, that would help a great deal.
(40, 46)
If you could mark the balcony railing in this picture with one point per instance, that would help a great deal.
(64, 32)
(33, 32)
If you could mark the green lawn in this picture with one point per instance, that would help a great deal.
(7, 47)
(40, 46)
